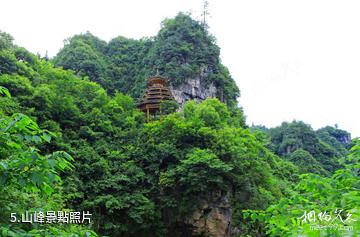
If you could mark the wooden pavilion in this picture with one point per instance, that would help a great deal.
(156, 92)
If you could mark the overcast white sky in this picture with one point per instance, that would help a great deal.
(291, 59)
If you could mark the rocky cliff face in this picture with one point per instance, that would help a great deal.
(196, 88)
(344, 139)
(213, 217)
(193, 89)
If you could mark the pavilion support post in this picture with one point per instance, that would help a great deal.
(147, 115)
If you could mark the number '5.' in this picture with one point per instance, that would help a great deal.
(13, 217)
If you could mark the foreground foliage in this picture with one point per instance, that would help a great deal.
(337, 197)
(30, 181)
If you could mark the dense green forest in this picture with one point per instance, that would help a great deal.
(312, 151)
(182, 49)
(72, 138)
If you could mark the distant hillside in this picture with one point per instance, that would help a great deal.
(182, 51)
(313, 151)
